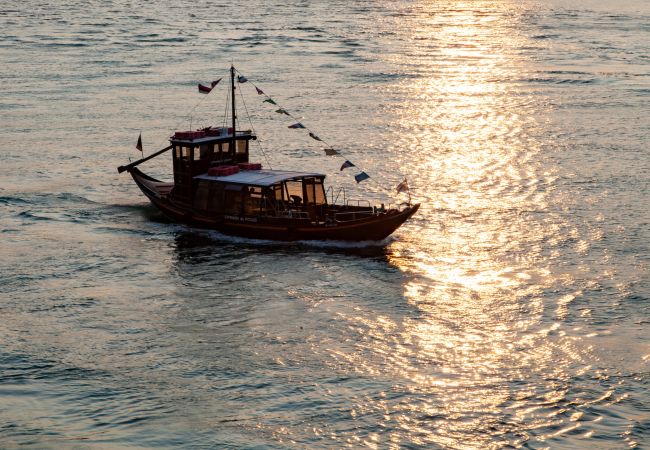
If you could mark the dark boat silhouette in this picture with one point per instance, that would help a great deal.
(216, 187)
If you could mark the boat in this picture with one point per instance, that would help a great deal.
(216, 187)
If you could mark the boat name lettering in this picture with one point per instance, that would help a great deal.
(241, 219)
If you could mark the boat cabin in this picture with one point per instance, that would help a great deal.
(195, 152)
(262, 193)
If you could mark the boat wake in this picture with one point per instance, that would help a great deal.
(220, 237)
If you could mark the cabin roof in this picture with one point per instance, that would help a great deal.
(259, 177)
(208, 139)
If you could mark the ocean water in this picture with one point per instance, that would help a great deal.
(511, 312)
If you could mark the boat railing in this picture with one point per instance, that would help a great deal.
(349, 216)
(383, 208)
(401, 206)
(359, 204)
(330, 191)
(292, 214)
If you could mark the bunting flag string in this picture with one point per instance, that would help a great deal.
(346, 164)
(360, 177)
(329, 151)
(205, 89)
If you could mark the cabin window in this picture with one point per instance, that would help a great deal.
(241, 147)
(196, 153)
(294, 191)
(277, 192)
(232, 199)
(206, 151)
(319, 190)
(253, 201)
(225, 146)
(309, 190)
(272, 197)
(185, 153)
(216, 150)
(215, 200)
(314, 191)
(177, 151)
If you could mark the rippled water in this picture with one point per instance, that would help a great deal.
(511, 311)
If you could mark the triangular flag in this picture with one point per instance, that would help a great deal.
(282, 111)
(403, 186)
(259, 91)
(296, 125)
(330, 152)
(242, 79)
(346, 164)
(139, 144)
(214, 83)
(269, 100)
(313, 136)
(361, 176)
(204, 89)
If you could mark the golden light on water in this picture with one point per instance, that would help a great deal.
(481, 329)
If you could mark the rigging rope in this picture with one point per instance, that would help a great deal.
(196, 105)
(225, 112)
(311, 132)
(259, 144)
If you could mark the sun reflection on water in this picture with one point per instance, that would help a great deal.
(486, 353)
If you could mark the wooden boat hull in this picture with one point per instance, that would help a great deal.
(371, 228)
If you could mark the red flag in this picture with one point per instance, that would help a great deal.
(259, 91)
(139, 144)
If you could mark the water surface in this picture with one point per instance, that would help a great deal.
(511, 311)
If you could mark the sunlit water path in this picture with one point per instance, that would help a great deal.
(511, 311)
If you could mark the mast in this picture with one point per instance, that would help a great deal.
(232, 84)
